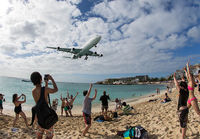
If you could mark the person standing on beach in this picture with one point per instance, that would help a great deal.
(182, 103)
(198, 81)
(63, 104)
(104, 100)
(157, 91)
(71, 101)
(87, 107)
(36, 79)
(1, 103)
(18, 108)
(55, 104)
(192, 101)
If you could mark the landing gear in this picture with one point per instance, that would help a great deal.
(86, 57)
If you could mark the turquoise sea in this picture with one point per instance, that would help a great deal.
(9, 86)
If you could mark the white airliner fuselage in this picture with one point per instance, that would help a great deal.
(85, 51)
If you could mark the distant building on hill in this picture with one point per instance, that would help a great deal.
(142, 78)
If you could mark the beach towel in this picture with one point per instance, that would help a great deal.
(99, 118)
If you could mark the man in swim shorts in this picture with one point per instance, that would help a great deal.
(87, 107)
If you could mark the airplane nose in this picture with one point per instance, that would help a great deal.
(99, 37)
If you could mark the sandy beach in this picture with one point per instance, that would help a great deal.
(160, 120)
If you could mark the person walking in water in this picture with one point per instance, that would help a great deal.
(36, 79)
(87, 107)
(18, 108)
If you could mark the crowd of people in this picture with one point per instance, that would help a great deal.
(40, 94)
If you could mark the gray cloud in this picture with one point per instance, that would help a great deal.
(137, 36)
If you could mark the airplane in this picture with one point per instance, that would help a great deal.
(85, 51)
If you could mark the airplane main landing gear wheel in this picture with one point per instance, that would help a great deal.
(86, 58)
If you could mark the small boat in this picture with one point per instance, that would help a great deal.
(23, 80)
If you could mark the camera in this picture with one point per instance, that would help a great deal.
(46, 77)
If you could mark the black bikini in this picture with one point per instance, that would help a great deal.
(18, 109)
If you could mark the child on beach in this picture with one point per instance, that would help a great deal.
(182, 103)
(87, 106)
(55, 104)
(18, 109)
(118, 104)
(36, 79)
(71, 101)
(1, 103)
(126, 108)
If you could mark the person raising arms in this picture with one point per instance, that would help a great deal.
(87, 107)
(71, 101)
(182, 104)
(192, 101)
(63, 104)
(18, 108)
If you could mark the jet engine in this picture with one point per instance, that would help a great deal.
(72, 50)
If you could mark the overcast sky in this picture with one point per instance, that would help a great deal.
(153, 37)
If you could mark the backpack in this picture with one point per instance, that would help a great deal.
(115, 115)
(46, 116)
(136, 132)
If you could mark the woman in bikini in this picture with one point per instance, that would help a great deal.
(192, 101)
(18, 108)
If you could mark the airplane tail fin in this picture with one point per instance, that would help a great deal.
(67, 57)
(52, 47)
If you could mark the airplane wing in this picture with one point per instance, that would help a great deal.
(68, 50)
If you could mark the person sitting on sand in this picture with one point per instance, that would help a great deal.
(18, 108)
(55, 104)
(126, 108)
(63, 104)
(192, 101)
(87, 107)
(1, 103)
(182, 103)
(166, 99)
(104, 99)
(36, 79)
(118, 104)
(71, 101)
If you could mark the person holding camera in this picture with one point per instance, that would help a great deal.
(36, 79)
(18, 108)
